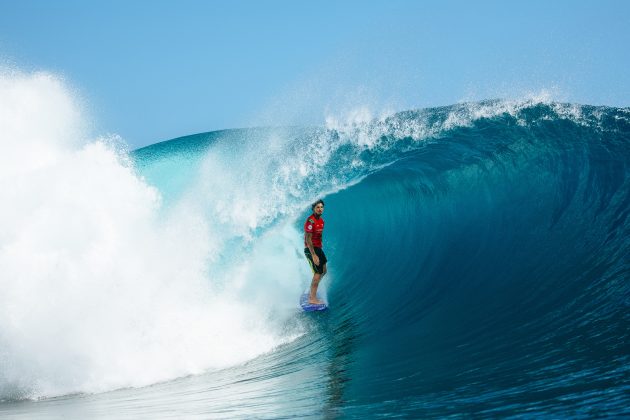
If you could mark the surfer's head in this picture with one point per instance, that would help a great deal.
(318, 207)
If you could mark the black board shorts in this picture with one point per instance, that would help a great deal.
(322, 259)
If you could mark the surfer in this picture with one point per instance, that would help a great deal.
(313, 229)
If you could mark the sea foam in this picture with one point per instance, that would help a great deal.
(101, 287)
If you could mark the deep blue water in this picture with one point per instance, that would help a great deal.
(479, 260)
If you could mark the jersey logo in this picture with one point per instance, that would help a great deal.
(310, 227)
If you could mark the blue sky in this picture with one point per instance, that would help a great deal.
(155, 70)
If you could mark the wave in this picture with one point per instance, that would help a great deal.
(479, 243)
(473, 244)
(478, 259)
(488, 270)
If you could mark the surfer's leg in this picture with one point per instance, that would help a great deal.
(312, 298)
(317, 275)
(313, 295)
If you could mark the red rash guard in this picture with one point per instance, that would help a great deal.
(316, 227)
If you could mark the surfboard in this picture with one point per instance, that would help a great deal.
(309, 307)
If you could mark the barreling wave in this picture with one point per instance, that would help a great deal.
(479, 252)
(478, 263)
(488, 271)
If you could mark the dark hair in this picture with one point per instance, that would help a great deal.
(316, 203)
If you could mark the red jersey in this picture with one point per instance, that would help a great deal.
(316, 227)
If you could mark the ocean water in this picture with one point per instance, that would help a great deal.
(479, 265)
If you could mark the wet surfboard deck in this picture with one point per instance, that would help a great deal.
(309, 307)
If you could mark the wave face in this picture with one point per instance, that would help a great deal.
(487, 272)
(478, 265)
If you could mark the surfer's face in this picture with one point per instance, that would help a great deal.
(319, 209)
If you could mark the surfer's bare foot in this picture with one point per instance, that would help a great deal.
(315, 302)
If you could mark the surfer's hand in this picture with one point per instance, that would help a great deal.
(316, 259)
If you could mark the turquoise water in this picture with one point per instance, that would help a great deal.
(478, 258)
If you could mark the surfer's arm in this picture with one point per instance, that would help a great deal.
(309, 243)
